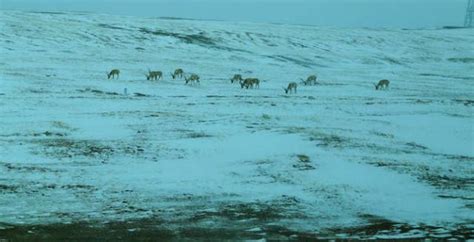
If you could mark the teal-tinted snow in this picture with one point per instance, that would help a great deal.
(74, 147)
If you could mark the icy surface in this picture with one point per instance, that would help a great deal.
(74, 147)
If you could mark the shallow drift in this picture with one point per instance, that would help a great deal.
(168, 160)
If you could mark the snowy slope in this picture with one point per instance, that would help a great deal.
(74, 147)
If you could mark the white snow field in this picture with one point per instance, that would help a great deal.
(169, 160)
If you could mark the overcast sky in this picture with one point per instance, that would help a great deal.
(345, 13)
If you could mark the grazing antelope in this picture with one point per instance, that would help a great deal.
(291, 86)
(193, 78)
(248, 82)
(383, 84)
(311, 80)
(177, 73)
(256, 82)
(236, 78)
(113, 73)
(154, 75)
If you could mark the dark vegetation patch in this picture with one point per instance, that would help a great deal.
(337, 141)
(447, 181)
(451, 27)
(392, 61)
(36, 134)
(215, 96)
(458, 197)
(303, 158)
(385, 135)
(61, 125)
(79, 187)
(153, 115)
(37, 187)
(155, 229)
(216, 234)
(375, 224)
(392, 164)
(108, 26)
(184, 197)
(164, 114)
(8, 189)
(137, 94)
(124, 207)
(97, 92)
(49, 134)
(329, 140)
(414, 145)
(461, 158)
(27, 168)
(198, 39)
(174, 18)
(462, 59)
(298, 45)
(142, 230)
(241, 211)
(191, 134)
(196, 135)
(445, 76)
(378, 228)
(303, 163)
(49, 12)
(457, 158)
(284, 207)
(421, 101)
(262, 170)
(304, 62)
(38, 90)
(465, 102)
(444, 181)
(69, 148)
(268, 42)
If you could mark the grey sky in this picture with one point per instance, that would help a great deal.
(346, 13)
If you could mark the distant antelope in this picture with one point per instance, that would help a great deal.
(177, 73)
(248, 82)
(236, 78)
(154, 75)
(291, 86)
(383, 84)
(256, 82)
(113, 73)
(311, 80)
(193, 78)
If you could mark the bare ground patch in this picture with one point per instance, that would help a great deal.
(74, 148)
(154, 228)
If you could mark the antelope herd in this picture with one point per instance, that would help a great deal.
(237, 78)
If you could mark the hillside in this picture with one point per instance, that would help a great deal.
(338, 159)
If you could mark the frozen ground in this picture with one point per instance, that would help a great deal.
(334, 160)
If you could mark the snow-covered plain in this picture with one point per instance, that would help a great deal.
(338, 159)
